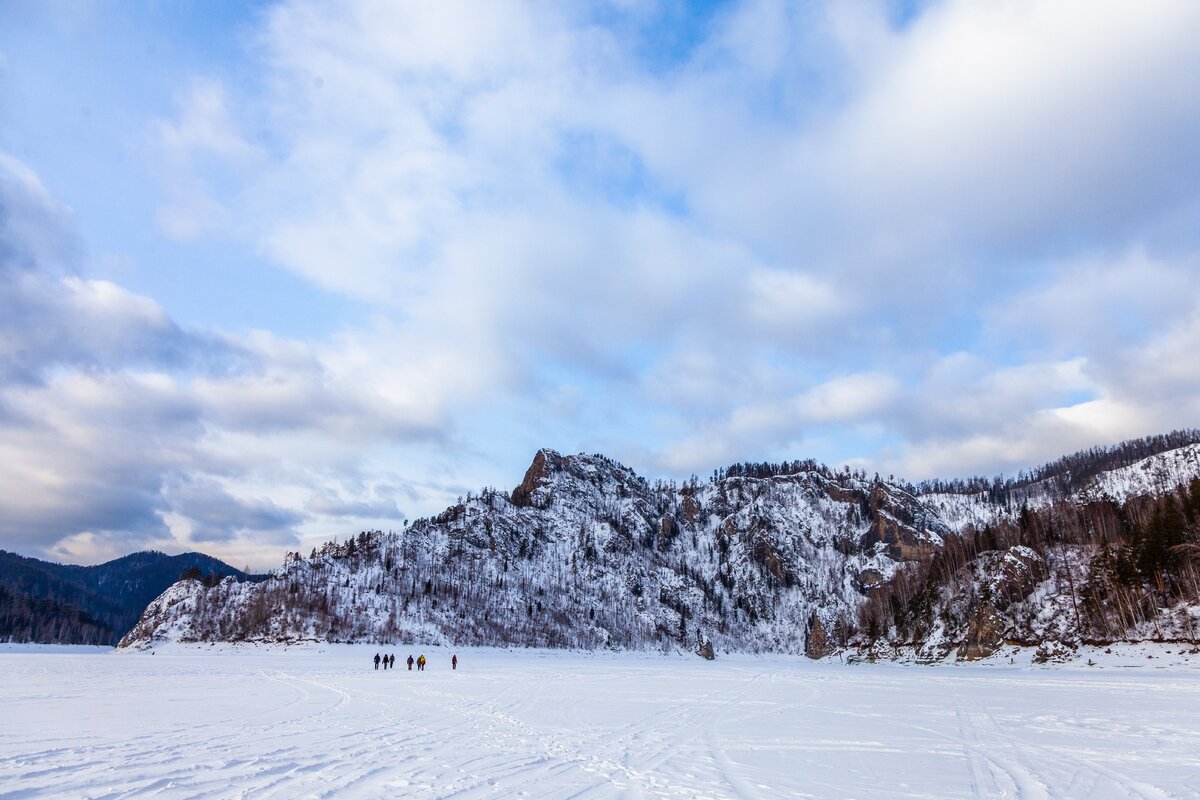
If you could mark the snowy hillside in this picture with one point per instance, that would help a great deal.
(584, 553)
(1154, 475)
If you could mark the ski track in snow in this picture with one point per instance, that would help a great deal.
(320, 722)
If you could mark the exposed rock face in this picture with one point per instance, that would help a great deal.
(1009, 576)
(817, 644)
(906, 530)
(705, 649)
(533, 489)
(868, 579)
(985, 635)
(765, 555)
(668, 529)
(689, 510)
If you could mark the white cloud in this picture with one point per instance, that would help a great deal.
(204, 126)
(190, 213)
(198, 146)
(34, 229)
(790, 301)
(849, 398)
(761, 425)
(814, 193)
(1007, 124)
(120, 429)
(1097, 303)
(954, 244)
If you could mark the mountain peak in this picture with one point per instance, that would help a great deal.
(545, 463)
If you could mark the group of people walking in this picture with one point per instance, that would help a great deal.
(389, 662)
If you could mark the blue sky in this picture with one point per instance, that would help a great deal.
(285, 270)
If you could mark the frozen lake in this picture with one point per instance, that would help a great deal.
(321, 722)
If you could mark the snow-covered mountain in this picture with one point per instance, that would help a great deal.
(792, 557)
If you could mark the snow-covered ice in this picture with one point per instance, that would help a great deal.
(319, 721)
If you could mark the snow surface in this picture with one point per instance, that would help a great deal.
(319, 721)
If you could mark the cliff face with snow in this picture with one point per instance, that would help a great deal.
(585, 553)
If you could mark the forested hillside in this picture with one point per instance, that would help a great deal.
(41, 601)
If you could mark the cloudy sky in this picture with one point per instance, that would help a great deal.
(275, 272)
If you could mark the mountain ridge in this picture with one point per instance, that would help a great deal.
(794, 558)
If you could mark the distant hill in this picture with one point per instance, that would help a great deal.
(41, 601)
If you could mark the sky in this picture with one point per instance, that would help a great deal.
(276, 272)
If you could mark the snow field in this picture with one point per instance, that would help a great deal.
(319, 721)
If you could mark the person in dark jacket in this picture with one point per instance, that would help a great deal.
(410, 662)
(454, 662)
(393, 658)
(377, 661)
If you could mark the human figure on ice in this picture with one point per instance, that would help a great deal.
(377, 661)
(410, 662)
(421, 664)
(393, 660)
(454, 662)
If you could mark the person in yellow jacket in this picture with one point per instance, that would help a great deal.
(421, 664)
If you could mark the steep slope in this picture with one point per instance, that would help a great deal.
(1116, 559)
(793, 558)
(54, 603)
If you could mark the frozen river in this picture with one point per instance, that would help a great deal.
(321, 722)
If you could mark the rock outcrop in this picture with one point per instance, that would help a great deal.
(1009, 576)
(905, 529)
(534, 487)
(985, 635)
